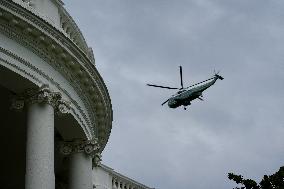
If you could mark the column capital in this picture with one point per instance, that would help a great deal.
(89, 147)
(43, 95)
(97, 159)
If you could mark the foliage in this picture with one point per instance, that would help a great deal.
(275, 181)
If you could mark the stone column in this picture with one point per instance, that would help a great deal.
(80, 154)
(41, 105)
(40, 147)
(80, 171)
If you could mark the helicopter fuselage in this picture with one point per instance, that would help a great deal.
(185, 96)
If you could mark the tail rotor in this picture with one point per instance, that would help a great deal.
(217, 75)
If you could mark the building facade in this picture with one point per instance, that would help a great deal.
(56, 113)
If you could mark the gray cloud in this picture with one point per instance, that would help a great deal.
(239, 126)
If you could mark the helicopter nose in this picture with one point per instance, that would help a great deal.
(172, 104)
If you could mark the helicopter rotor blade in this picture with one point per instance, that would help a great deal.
(160, 86)
(216, 73)
(201, 82)
(181, 80)
(165, 102)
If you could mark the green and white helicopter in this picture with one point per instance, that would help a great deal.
(184, 96)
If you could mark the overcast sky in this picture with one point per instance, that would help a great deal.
(239, 127)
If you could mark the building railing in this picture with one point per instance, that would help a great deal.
(71, 30)
(120, 181)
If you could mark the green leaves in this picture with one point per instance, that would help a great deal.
(275, 181)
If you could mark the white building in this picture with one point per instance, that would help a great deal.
(56, 114)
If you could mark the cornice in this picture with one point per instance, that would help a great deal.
(66, 57)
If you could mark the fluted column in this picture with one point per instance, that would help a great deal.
(81, 153)
(40, 105)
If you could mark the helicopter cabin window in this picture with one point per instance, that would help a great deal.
(180, 91)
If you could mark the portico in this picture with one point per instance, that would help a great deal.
(33, 120)
(40, 106)
(56, 111)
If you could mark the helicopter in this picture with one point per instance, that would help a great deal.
(184, 96)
